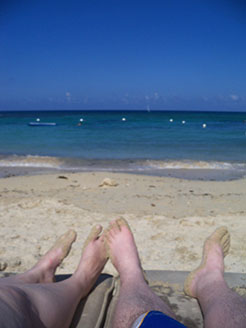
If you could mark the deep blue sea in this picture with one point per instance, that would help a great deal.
(157, 142)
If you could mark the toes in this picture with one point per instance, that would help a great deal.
(93, 235)
(114, 227)
(226, 245)
(220, 236)
(122, 223)
(106, 242)
(65, 242)
(95, 232)
(225, 239)
(219, 233)
(66, 238)
(69, 234)
(226, 249)
(109, 234)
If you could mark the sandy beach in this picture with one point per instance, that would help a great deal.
(169, 217)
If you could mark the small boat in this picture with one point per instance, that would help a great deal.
(41, 123)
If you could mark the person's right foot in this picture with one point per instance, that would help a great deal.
(123, 251)
(211, 269)
(93, 260)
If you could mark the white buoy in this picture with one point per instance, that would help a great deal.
(171, 120)
(183, 122)
(123, 119)
(81, 120)
(204, 125)
(38, 119)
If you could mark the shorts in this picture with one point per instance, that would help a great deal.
(156, 319)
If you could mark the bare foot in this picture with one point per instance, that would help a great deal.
(45, 269)
(211, 269)
(122, 250)
(93, 260)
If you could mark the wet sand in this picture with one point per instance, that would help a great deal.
(170, 217)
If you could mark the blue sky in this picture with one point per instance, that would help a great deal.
(169, 55)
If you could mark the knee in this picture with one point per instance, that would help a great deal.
(13, 298)
(17, 309)
(13, 294)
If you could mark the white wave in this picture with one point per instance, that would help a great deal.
(195, 165)
(31, 161)
(138, 165)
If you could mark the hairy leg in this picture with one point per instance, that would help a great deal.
(53, 305)
(135, 297)
(44, 270)
(220, 305)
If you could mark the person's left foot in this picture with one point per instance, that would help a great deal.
(44, 270)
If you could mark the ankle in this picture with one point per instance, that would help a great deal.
(130, 276)
(82, 281)
(209, 281)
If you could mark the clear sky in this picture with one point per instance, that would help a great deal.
(100, 54)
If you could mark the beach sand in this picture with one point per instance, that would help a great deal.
(170, 218)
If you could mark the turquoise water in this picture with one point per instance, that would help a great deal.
(143, 141)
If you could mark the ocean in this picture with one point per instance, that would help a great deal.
(192, 145)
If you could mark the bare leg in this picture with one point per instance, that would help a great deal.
(135, 297)
(44, 270)
(220, 305)
(53, 305)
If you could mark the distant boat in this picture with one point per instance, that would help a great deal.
(41, 124)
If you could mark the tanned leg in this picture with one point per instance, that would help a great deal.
(221, 306)
(53, 304)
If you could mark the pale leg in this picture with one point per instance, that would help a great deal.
(135, 297)
(221, 307)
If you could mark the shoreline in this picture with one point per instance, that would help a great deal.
(178, 173)
(170, 218)
(19, 165)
